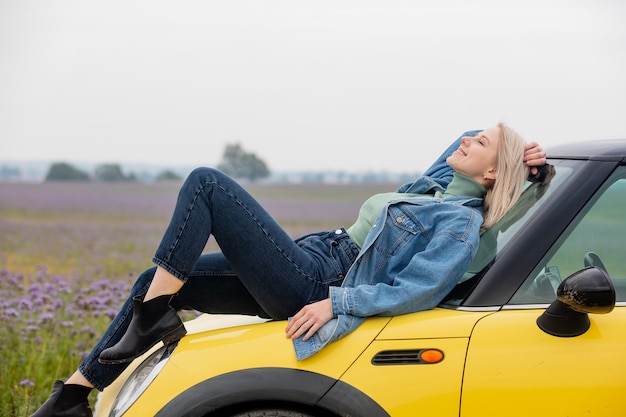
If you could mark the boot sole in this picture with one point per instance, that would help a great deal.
(169, 338)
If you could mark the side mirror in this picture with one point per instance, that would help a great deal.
(589, 290)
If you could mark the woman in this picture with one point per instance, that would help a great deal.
(262, 271)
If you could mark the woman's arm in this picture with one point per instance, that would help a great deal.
(309, 320)
(440, 171)
(535, 157)
(420, 285)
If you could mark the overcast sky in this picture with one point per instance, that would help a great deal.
(354, 85)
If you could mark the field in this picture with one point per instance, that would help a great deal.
(69, 253)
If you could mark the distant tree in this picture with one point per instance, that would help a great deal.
(240, 164)
(167, 175)
(61, 171)
(111, 173)
(9, 173)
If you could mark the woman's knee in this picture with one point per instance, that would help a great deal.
(206, 175)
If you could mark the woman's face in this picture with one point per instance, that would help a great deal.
(477, 156)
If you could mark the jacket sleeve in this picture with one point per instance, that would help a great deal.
(440, 171)
(420, 285)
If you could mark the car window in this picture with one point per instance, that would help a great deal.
(495, 238)
(599, 239)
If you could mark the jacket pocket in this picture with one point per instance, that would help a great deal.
(401, 228)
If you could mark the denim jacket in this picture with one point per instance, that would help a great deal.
(417, 250)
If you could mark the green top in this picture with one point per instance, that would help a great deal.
(458, 187)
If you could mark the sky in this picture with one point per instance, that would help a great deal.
(352, 85)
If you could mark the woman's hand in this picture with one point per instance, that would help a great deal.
(534, 156)
(309, 320)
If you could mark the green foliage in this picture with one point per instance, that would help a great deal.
(167, 175)
(51, 322)
(240, 164)
(9, 173)
(111, 173)
(61, 171)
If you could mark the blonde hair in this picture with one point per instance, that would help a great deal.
(511, 173)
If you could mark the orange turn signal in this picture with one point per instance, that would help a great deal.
(431, 355)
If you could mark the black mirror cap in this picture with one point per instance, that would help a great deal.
(589, 290)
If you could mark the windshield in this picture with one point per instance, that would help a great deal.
(493, 240)
(594, 238)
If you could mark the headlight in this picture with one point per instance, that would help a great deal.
(140, 379)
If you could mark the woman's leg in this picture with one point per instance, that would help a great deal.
(257, 254)
(214, 287)
(71, 397)
(281, 274)
(100, 375)
(261, 270)
(90, 373)
(278, 272)
(163, 283)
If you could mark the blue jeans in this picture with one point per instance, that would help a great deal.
(260, 270)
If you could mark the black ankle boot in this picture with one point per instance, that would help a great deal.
(58, 406)
(152, 322)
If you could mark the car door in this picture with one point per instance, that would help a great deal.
(513, 368)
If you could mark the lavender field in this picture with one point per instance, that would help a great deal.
(69, 254)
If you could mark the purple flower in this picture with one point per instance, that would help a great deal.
(110, 313)
(88, 329)
(46, 317)
(24, 303)
(10, 312)
(26, 383)
(35, 289)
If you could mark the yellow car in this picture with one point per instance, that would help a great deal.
(536, 328)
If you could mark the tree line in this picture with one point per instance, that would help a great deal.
(235, 162)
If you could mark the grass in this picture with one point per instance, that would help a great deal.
(70, 252)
